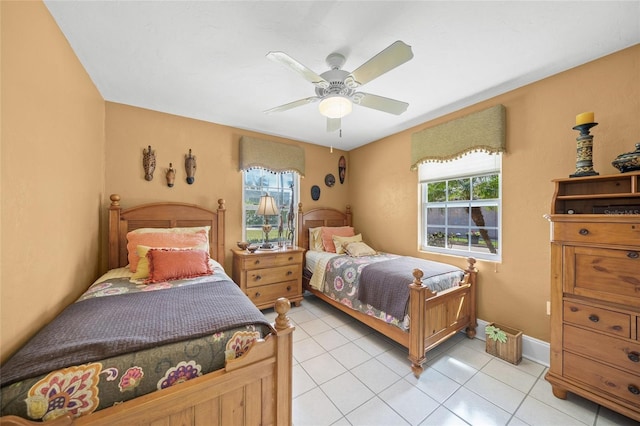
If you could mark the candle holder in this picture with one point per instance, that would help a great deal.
(584, 151)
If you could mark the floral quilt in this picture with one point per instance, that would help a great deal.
(86, 387)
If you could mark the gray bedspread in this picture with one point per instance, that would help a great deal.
(385, 285)
(94, 329)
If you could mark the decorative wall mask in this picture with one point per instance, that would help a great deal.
(171, 175)
(190, 167)
(342, 168)
(315, 192)
(148, 163)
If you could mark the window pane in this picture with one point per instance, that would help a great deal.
(458, 216)
(437, 192)
(436, 236)
(436, 215)
(486, 187)
(459, 190)
(484, 216)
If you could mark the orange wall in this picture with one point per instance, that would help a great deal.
(216, 147)
(52, 172)
(541, 147)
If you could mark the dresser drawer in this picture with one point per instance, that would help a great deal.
(598, 233)
(260, 277)
(612, 350)
(269, 293)
(267, 261)
(604, 378)
(603, 274)
(612, 322)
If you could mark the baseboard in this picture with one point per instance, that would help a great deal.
(532, 349)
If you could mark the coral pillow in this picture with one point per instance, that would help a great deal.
(142, 271)
(162, 239)
(340, 242)
(177, 264)
(328, 233)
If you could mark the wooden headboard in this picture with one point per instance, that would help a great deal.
(319, 217)
(162, 215)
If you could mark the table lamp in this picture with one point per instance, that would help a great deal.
(267, 207)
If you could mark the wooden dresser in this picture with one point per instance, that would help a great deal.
(595, 290)
(265, 276)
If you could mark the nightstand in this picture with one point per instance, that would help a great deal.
(266, 275)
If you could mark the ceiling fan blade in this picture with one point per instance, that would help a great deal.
(380, 103)
(293, 104)
(333, 124)
(296, 66)
(396, 54)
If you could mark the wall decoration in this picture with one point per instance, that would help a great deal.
(629, 161)
(342, 168)
(171, 175)
(329, 180)
(190, 167)
(148, 163)
(315, 192)
(584, 150)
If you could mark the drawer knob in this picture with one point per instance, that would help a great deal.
(258, 294)
(290, 258)
(594, 318)
(633, 255)
(257, 278)
(289, 273)
(288, 288)
(634, 356)
(583, 231)
(257, 262)
(573, 309)
(634, 389)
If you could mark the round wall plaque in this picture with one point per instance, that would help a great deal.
(315, 192)
(329, 180)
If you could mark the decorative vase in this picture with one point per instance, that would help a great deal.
(629, 161)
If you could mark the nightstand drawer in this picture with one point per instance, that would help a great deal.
(270, 260)
(612, 322)
(603, 378)
(269, 293)
(618, 352)
(260, 277)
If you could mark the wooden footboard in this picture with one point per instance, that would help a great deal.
(434, 317)
(253, 389)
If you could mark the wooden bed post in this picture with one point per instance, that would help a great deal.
(473, 275)
(114, 223)
(284, 386)
(220, 254)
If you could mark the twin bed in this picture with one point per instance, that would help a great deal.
(177, 344)
(415, 302)
(188, 347)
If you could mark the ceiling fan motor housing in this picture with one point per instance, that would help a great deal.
(337, 86)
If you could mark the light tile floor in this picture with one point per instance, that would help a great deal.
(345, 373)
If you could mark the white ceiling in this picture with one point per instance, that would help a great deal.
(206, 59)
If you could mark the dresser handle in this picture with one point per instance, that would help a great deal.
(258, 294)
(634, 356)
(257, 278)
(583, 231)
(290, 258)
(289, 273)
(594, 318)
(257, 262)
(634, 389)
(573, 309)
(288, 288)
(633, 255)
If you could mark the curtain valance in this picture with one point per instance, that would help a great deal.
(481, 131)
(274, 156)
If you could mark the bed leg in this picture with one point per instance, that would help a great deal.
(471, 332)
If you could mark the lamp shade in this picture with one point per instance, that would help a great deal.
(267, 206)
(335, 106)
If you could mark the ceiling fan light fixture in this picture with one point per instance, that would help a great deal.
(335, 106)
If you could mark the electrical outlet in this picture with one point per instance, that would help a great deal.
(548, 308)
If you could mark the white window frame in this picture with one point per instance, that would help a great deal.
(277, 189)
(472, 165)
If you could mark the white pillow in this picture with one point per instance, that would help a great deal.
(340, 242)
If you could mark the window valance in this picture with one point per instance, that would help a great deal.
(270, 155)
(481, 131)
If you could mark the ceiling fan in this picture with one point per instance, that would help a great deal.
(336, 88)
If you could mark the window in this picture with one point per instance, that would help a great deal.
(461, 206)
(283, 187)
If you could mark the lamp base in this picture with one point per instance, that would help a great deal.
(267, 246)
